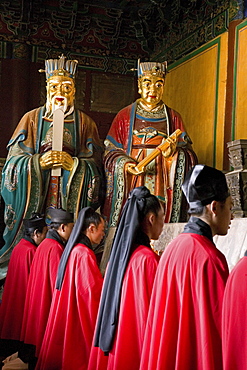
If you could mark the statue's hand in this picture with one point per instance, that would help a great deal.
(172, 147)
(56, 159)
(134, 170)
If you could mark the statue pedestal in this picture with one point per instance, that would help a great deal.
(237, 179)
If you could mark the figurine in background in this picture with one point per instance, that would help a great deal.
(28, 183)
(135, 133)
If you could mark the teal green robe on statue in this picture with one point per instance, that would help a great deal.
(26, 187)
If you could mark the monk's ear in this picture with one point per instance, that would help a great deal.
(151, 218)
(62, 227)
(91, 228)
(214, 206)
(36, 232)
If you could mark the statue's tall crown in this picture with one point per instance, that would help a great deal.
(60, 67)
(153, 68)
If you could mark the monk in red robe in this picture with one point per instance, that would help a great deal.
(234, 322)
(42, 280)
(15, 287)
(69, 333)
(183, 330)
(128, 284)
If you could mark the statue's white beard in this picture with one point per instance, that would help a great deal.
(56, 104)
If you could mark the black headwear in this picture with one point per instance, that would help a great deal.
(60, 216)
(35, 222)
(202, 185)
(72, 241)
(119, 258)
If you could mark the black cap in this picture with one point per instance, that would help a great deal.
(202, 185)
(36, 221)
(61, 216)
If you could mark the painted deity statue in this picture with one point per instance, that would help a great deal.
(29, 183)
(134, 134)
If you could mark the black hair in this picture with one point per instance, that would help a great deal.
(55, 225)
(152, 205)
(200, 209)
(29, 230)
(91, 217)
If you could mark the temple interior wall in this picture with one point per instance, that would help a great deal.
(239, 123)
(208, 87)
(196, 88)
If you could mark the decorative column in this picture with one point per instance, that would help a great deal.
(237, 179)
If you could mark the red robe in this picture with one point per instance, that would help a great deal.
(69, 333)
(135, 298)
(234, 320)
(39, 292)
(184, 322)
(15, 288)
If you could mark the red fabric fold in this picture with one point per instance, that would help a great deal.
(184, 323)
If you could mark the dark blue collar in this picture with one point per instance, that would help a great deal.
(85, 240)
(196, 226)
(30, 240)
(53, 234)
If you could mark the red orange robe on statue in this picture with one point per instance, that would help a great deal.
(40, 290)
(234, 323)
(15, 289)
(131, 138)
(184, 324)
(69, 333)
